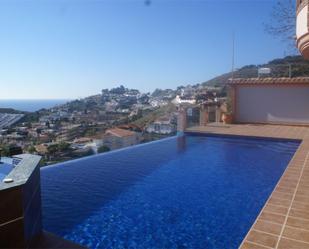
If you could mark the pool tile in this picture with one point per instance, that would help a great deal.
(285, 243)
(249, 245)
(289, 177)
(285, 190)
(286, 185)
(295, 233)
(302, 198)
(299, 213)
(300, 205)
(281, 195)
(280, 202)
(268, 227)
(298, 223)
(276, 209)
(293, 171)
(263, 239)
(304, 176)
(302, 191)
(272, 217)
(304, 183)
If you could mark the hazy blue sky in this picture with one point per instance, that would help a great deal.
(73, 48)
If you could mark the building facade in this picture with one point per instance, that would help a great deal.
(302, 27)
(271, 100)
(119, 138)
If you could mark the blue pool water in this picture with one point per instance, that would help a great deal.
(181, 192)
(5, 169)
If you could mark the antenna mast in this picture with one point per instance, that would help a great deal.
(233, 55)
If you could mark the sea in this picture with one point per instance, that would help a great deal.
(31, 105)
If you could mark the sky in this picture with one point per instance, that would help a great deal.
(67, 49)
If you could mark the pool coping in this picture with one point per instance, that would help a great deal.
(283, 222)
(21, 172)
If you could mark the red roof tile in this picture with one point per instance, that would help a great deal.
(296, 80)
(120, 132)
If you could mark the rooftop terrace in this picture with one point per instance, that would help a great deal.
(270, 80)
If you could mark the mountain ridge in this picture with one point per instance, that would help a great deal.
(279, 68)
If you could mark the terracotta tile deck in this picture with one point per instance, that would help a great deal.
(283, 223)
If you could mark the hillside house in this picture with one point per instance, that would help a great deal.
(117, 138)
(162, 126)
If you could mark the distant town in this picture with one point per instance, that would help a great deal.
(113, 119)
(121, 117)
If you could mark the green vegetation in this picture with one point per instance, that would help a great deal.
(63, 146)
(228, 105)
(4, 150)
(32, 149)
(31, 117)
(161, 92)
(62, 152)
(91, 132)
(103, 149)
(153, 115)
(10, 150)
(60, 147)
(10, 111)
(52, 149)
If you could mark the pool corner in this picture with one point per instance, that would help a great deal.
(20, 207)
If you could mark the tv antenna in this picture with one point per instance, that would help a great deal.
(233, 54)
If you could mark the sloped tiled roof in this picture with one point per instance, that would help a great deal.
(120, 132)
(296, 80)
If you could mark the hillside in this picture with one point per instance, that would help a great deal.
(279, 68)
(11, 111)
(154, 114)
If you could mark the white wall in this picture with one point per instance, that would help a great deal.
(271, 104)
(302, 22)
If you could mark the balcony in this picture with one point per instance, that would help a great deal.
(302, 28)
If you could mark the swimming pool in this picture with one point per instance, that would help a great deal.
(181, 192)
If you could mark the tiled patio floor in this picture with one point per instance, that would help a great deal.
(284, 220)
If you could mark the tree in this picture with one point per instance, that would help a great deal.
(103, 149)
(90, 132)
(282, 24)
(52, 149)
(4, 150)
(32, 149)
(63, 146)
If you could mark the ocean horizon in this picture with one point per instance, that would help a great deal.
(31, 105)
